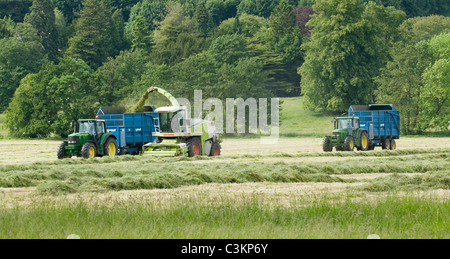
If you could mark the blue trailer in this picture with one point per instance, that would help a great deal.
(132, 130)
(365, 127)
(381, 121)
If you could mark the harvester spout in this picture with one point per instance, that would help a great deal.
(172, 99)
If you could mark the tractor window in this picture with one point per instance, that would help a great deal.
(87, 127)
(100, 128)
(344, 124)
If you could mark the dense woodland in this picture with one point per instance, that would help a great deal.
(62, 59)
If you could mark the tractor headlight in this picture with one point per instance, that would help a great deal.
(336, 134)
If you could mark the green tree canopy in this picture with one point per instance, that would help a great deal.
(416, 80)
(48, 101)
(17, 59)
(42, 18)
(345, 52)
(94, 30)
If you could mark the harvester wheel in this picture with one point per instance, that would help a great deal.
(61, 152)
(215, 149)
(327, 146)
(194, 147)
(111, 147)
(386, 145)
(349, 144)
(89, 150)
(364, 141)
(393, 145)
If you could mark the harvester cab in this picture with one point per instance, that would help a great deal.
(178, 135)
(90, 139)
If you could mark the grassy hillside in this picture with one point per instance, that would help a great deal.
(3, 130)
(297, 122)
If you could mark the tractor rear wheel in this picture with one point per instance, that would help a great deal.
(364, 141)
(215, 149)
(111, 147)
(386, 145)
(194, 147)
(327, 146)
(61, 152)
(349, 144)
(88, 150)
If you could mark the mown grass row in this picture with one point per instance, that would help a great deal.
(409, 217)
(417, 154)
(135, 173)
(396, 182)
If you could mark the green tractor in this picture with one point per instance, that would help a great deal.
(347, 135)
(90, 139)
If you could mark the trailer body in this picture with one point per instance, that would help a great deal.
(132, 130)
(381, 121)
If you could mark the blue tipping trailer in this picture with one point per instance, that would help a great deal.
(381, 121)
(132, 130)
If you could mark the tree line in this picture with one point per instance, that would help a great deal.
(61, 59)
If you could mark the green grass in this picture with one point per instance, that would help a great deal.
(410, 217)
(297, 122)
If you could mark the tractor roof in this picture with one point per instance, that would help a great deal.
(90, 120)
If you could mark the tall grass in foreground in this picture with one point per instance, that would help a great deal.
(409, 217)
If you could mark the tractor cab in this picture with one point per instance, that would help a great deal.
(345, 126)
(88, 130)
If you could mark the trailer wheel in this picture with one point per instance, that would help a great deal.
(364, 141)
(194, 147)
(61, 152)
(393, 145)
(89, 150)
(215, 149)
(386, 145)
(349, 144)
(327, 147)
(371, 146)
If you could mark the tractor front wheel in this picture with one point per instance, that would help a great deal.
(61, 152)
(327, 146)
(89, 150)
(349, 144)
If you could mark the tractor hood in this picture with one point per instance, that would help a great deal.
(79, 135)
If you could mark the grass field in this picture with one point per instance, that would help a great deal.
(290, 189)
(287, 190)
